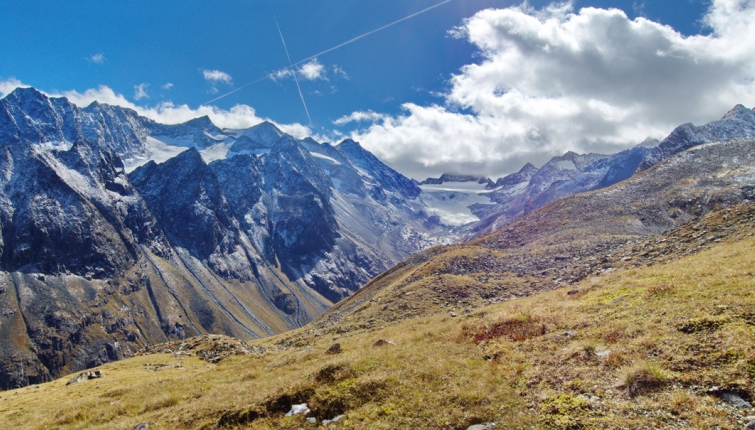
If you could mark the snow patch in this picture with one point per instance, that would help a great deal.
(324, 157)
(215, 152)
(513, 190)
(157, 151)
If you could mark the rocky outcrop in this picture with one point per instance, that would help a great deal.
(210, 348)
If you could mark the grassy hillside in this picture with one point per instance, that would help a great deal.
(639, 346)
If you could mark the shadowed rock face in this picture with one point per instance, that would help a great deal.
(196, 215)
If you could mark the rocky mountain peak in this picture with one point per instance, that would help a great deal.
(201, 122)
(26, 94)
(649, 142)
(264, 133)
(738, 122)
(739, 112)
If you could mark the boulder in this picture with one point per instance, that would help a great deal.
(85, 376)
(334, 349)
(382, 342)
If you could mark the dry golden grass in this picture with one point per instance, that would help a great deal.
(637, 348)
(640, 348)
(426, 380)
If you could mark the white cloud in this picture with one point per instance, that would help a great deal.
(216, 76)
(312, 71)
(237, 117)
(7, 86)
(553, 80)
(282, 74)
(97, 58)
(338, 71)
(140, 91)
(167, 86)
(361, 117)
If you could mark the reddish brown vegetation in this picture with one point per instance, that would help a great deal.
(517, 329)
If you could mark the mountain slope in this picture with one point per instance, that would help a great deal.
(571, 239)
(659, 346)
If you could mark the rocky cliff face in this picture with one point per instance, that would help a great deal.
(96, 263)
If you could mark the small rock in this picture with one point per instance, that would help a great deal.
(735, 400)
(453, 315)
(569, 333)
(486, 426)
(589, 398)
(334, 349)
(85, 376)
(729, 397)
(382, 342)
(332, 420)
(141, 426)
(572, 292)
(298, 409)
(750, 426)
(313, 420)
(603, 354)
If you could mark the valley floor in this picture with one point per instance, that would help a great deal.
(667, 345)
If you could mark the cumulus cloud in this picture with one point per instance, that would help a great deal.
(140, 91)
(167, 86)
(556, 79)
(238, 117)
(97, 58)
(216, 76)
(361, 117)
(312, 70)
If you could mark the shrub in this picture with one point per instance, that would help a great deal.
(517, 329)
(643, 377)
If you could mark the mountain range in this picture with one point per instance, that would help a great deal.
(119, 232)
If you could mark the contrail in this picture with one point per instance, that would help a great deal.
(372, 32)
(298, 87)
(291, 65)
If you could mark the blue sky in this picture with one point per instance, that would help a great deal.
(188, 53)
